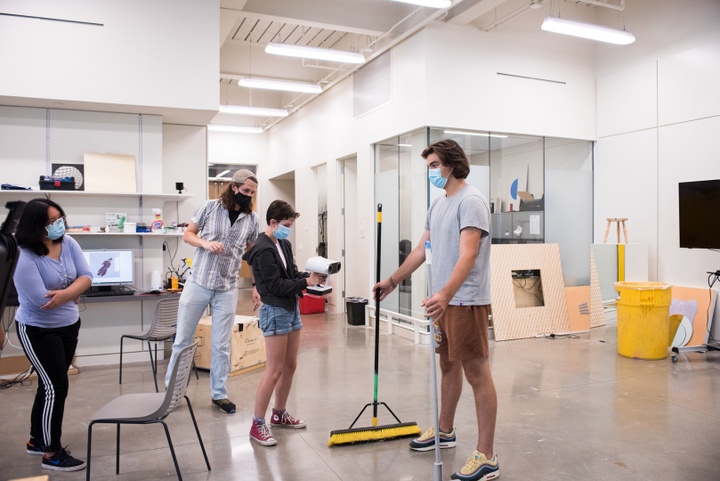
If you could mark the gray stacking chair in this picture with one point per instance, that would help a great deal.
(162, 328)
(149, 408)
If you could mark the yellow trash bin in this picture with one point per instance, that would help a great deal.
(643, 319)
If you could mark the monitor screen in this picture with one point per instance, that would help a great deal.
(110, 267)
(699, 214)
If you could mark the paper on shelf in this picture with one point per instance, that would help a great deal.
(535, 224)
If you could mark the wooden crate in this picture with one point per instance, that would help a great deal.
(248, 344)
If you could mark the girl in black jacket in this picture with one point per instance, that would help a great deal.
(279, 284)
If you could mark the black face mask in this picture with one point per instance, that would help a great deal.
(242, 200)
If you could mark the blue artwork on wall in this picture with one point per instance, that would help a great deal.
(513, 189)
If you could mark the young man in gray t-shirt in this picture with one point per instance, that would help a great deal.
(458, 225)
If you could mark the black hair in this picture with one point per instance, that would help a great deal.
(31, 226)
(452, 155)
(280, 210)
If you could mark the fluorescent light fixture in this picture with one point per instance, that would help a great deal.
(235, 128)
(587, 30)
(286, 85)
(478, 134)
(316, 53)
(257, 111)
(222, 173)
(404, 145)
(428, 3)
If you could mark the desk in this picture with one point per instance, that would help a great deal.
(137, 297)
(106, 318)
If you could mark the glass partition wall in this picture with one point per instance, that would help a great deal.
(514, 172)
(401, 187)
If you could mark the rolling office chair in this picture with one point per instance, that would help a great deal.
(149, 408)
(162, 328)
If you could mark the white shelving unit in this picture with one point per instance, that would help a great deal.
(89, 208)
(31, 194)
(127, 234)
(107, 320)
(35, 141)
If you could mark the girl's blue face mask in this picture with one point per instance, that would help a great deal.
(436, 178)
(282, 232)
(56, 230)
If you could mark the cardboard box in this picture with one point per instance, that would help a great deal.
(11, 366)
(248, 344)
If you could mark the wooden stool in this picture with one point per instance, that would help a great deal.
(618, 220)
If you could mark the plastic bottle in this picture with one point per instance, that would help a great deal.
(157, 224)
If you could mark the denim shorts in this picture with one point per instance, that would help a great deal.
(276, 321)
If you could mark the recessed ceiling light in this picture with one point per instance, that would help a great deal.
(478, 134)
(316, 53)
(428, 3)
(285, 85)
(587, 30)
(235, 128)
(253, 111)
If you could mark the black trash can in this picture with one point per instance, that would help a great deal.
(355, 307)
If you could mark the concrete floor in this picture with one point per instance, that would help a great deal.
(569, 409)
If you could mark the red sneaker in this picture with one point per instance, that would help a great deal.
(260, 433)
(283, 419)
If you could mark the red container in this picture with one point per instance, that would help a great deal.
(312, 304)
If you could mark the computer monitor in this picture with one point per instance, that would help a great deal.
(699, 209)
(110, 267)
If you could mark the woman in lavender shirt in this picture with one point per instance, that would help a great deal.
(50, 275)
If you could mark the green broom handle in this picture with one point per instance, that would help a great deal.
(377, 317)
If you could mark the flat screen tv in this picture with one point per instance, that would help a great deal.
(110, 267)
(699, 214)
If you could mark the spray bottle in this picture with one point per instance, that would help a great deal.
(157, 224)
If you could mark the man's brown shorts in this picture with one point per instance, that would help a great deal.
(463, 332)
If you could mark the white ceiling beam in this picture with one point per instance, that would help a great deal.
(363, 17)
(467, 11)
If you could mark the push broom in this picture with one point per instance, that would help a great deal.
(375, 432)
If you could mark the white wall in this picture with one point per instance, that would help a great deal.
(162, 53)
(184, 151)
(658, 118)
(464, 89)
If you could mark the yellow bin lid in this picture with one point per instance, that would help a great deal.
(643, 293)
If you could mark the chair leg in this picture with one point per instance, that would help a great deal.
(89, 452)
(117, 450)
(607, 231)
(625, 232)
(172, 450)
(153, 364)
(197, 431)
(155, 369)
(122, 338)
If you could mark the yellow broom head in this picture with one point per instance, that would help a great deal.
(377, 433)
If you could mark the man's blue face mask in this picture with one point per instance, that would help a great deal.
(436, 178)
